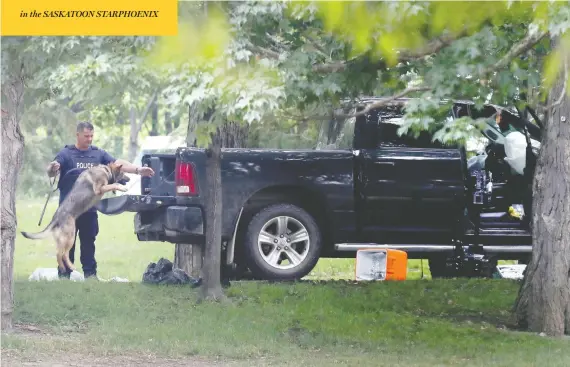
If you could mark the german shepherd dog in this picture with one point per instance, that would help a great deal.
(86, 192)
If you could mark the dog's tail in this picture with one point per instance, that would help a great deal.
(38, 235)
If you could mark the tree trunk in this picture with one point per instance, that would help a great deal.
(330, 131)
(212, 287)
(118, 140)
(136, 123)
(543, 304)
(154, 119)
(229, 135)
(167, 122)
(188, 258)
(12, 156)
(233, 135)
(177, 122)
(192, 125)
(134, 135)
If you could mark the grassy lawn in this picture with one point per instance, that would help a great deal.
(413, 323)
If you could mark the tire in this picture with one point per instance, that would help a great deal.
(273, 258)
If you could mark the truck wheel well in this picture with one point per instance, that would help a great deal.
(311, 201)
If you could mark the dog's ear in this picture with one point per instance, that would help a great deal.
(116, 167)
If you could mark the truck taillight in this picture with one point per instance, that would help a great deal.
(185, 179)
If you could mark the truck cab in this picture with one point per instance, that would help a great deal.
(452, 204)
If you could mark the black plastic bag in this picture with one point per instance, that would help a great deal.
(163, 272)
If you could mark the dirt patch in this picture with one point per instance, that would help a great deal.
(11, 358)
(33, 332)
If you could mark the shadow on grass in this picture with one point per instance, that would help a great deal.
(420, 322)
(486, 301)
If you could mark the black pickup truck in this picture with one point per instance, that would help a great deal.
(285, 209)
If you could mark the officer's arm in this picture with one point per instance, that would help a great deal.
(127, 166)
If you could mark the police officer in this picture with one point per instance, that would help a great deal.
(70, 162)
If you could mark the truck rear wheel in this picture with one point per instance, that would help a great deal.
(282, 242)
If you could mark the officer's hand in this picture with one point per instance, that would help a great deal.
(54, 167)
(146, 171)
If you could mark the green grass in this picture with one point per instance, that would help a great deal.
(452, 322)
(413, 323)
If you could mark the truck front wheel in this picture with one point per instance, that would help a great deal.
(283, 242)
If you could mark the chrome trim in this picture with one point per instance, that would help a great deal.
(374, 246)
(347, 247)
(508, 249)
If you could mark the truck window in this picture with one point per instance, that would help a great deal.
(387, 121)
(460, 110)
(337, 133)
(486, 112)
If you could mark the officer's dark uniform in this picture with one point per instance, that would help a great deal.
(72, 159)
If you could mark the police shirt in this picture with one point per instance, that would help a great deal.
(73, 161)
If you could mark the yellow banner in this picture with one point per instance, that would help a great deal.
(89, 18)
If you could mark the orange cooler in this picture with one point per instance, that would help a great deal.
(381, 264)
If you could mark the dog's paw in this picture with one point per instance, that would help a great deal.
(122, 188)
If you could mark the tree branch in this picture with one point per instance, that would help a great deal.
(320, 50)
(383, 102)
(270, 54)
(431, 47)
(332, 67)
(434, 46)
(380, 103)
(518, 49)
(146, 111)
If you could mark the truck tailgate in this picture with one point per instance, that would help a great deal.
(133, 203)
(156, 191)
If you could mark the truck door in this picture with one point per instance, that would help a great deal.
(408, 185)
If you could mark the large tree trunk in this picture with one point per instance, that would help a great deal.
(212, 287)
(233, 135)
(190, 257)
(12, 156)
(230, 133)
(543, 304)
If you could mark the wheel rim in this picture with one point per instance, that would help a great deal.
(283, 242)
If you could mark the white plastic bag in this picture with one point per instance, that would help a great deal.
(50, 274)
(515, 150)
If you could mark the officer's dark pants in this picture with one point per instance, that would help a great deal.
(88, 227)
